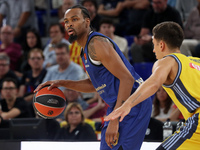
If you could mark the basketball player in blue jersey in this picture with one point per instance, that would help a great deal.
(180, 77)
(112, 76)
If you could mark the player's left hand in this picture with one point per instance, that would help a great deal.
(111, 133)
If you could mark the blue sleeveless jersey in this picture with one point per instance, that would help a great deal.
(133, 127)
(105, 83)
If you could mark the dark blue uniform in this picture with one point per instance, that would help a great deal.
(132, 129)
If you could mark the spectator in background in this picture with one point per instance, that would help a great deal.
(110, 9)
(162, 105)
(65, 68)
(13, 50)
(33, 40)
(107, 28)
(66, 4)
(89, 110)
(56, 32)
(92, 7)
(33, 77)
(142, 49)
(11, 106)
(127, 11)
(40, 4)
(175, 114)
(20, 15)
(76, 129)
(136, 10)
(184, 7)
(172, 3)
(5, 70)
(75, 50)
(191, 32)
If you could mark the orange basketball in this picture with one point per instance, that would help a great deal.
(49, 103)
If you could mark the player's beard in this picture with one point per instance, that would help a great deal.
(72, 38)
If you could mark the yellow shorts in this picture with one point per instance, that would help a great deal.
(187, 138)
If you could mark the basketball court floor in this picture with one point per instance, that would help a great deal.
(75, 145)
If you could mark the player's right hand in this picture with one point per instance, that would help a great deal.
(52, 84)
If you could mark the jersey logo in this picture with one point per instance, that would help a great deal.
(85, 58)
(194, 66)
(139, 81)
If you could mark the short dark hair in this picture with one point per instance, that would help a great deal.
(62, 45)
(84, 11)
(9, 79)
(107, 21)
(169, 32)
(94, 2)
(62, 29)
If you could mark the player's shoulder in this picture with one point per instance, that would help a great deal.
(164, 62)
(98, 38)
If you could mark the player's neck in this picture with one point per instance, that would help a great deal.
(82, 40)
(171, 51)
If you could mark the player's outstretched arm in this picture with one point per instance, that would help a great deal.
(159, 76)
(120, 113)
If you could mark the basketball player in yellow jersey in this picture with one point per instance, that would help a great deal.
(180, 77)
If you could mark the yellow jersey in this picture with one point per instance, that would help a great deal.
(184, 91)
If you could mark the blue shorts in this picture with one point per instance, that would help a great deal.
(132, 129)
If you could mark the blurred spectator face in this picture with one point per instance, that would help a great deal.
(107, 29)
(31, 39)
(71, 95)
(90, 7)
(55, 33)
(35, 60)
(6, 35)
(4, 68)
(74, 116)
(159, 5)
(9, 91)
(161, 94)
(67, 4)
(62, 56)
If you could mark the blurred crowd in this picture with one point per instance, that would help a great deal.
(34, 48)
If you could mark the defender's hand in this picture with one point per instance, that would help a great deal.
(121, 112)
